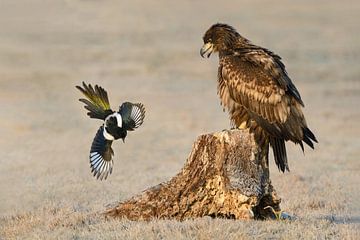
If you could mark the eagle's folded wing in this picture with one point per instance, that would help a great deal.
(272, 65)
(252, 88)
(265, 100)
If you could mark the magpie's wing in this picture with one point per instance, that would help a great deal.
(132, 115)
(97, 101)
(101, 153)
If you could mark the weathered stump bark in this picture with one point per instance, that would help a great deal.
(226, 175)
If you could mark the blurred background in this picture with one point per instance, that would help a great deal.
(148, 51)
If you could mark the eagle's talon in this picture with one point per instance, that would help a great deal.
(277, 214)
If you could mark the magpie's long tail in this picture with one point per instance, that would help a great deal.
(96, 102)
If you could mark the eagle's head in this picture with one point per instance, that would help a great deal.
(219, 37)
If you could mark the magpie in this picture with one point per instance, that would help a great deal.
(115, 126)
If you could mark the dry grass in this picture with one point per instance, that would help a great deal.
(66, 223)
(149, 52)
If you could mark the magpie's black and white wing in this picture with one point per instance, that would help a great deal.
(101, 153)
(132, 115)
(97, 102)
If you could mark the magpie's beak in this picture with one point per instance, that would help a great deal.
(207, 48)
(123, 139)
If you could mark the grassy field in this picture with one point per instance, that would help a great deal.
(147, 51)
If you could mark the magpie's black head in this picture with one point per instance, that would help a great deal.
(121, 133)
(116, 132)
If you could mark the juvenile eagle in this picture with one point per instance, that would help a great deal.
(256, 90)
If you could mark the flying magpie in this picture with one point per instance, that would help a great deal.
(115, 126)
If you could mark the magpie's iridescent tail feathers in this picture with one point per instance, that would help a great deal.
(96, 102)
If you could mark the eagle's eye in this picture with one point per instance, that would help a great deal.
(207, 39)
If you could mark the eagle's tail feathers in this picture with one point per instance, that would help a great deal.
(302, 146)
(280, 156)
(309, 137)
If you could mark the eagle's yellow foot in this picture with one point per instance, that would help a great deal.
(242, 126)
(278, 214)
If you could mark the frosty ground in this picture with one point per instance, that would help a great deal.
(148, 52)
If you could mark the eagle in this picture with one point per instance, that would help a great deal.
(257, 92)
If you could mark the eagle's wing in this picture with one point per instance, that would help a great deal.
(101, 153)
(272, 65)
(274, 106)
(251, 87)
(132, 115)
(97, 101)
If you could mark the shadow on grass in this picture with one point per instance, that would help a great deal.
(341, 219)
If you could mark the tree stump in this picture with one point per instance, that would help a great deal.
(226, 175)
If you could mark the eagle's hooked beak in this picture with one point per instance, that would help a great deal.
(207, 48)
